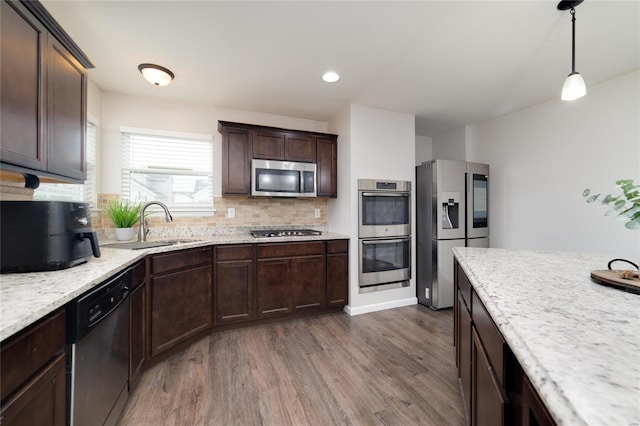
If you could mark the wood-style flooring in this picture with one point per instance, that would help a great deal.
(393, 367)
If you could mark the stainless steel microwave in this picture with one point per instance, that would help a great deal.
(272, 178)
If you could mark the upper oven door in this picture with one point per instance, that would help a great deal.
(273, 178)
(384, 214)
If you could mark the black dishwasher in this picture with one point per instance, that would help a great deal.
(98, 343)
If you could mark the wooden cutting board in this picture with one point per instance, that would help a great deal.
(611, 278)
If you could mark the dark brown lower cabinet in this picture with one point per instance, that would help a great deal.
(290, 278)
(235, 274)
(181, 300)
(274, 287)
(496, 391)
(41, 401)
(488, 401)
(464, 351)
(337, 273)
(137, 326)
(308, 282)
(33, 374)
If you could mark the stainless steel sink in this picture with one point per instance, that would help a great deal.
(138, 245)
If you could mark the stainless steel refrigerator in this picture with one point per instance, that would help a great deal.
(452, 210)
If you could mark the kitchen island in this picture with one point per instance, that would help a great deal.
(578, 342)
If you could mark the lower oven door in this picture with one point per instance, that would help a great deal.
(384, 260)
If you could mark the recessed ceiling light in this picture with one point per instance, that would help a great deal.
(330, 77)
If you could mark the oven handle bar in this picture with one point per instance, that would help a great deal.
(385, 194)
(385, 241)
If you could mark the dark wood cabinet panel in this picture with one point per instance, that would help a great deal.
(235, 298)
(137, 327)
(534, 413)
(236, 161)
(463, 351)
(491, 338)
(181, 306)
(266, 251)
(488, 400)
(24, 354)
(327, 167)
(301, 148)
(274, 287)
(66, 113)
(44, 95)
(41, 401)
(496, 391)
(308, 282)
(180, 259)
(268, 145)
(337, 278)
(33, 374)
(22, 55)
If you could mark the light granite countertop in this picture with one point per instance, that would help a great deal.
(27, 297)
(577, 341)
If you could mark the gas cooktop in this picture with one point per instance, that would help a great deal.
(261, 233)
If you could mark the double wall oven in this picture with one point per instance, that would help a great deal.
(384, 234)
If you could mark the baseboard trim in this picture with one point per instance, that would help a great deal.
(380, 306)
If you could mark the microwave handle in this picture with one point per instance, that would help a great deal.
(378, 241)
(385, 194)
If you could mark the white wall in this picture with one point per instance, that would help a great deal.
(339, 209)
(424, 149)
(543, 157)
(133, 111)
(380, 145)
(450, 145)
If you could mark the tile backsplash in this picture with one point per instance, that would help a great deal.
(249, 213)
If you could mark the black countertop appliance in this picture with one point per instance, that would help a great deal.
(45, 235)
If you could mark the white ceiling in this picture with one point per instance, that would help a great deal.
(450, 63)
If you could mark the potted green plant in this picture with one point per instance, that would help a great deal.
(625, 206)
(124, 214)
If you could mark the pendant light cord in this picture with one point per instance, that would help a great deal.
(573, 41)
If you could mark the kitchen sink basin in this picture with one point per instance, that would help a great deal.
(138, 245)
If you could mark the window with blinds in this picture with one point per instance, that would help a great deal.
(177, 171)
(73, 192)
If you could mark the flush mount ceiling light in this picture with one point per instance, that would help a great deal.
(330, 77)
(574, 86)
(155, 74)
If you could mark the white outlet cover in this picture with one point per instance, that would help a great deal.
(231, 212)
(317, 212)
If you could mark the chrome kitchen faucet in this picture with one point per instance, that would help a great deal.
(143, 230)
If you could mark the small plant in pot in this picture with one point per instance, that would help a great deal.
(124, 214)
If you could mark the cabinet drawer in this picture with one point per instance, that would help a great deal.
(243, 252)
(464, 286)
(290, 249)
(30, 350)
(178, 260)
(137, 274)
(337, 246)
(490, 336)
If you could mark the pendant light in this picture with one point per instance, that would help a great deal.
(574, 86)
(155, 74)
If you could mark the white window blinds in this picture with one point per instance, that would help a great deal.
(177, 171)
(75, 192)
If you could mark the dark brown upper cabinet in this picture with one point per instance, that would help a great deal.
(242, 142)
(44, 95)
